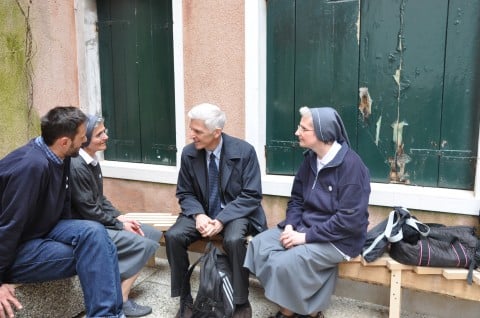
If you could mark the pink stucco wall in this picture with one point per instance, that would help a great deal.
(54, 60)
(214, 55)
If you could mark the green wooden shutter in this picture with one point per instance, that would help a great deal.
(402, 58)
(461, 97)
(410, 61)
(136, 61)
(312, 59)
(281, 145)
(119, 82)
(326, 58)
(419, 62)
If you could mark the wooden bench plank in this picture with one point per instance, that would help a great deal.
(163, 221)
(476, 277)
(425, 270)
(381, 261)
(357, 259)
(394, 265)
(369, 274)
(160, 220)
(438, 284)
(455, 273)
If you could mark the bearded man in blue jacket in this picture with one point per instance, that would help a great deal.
(39, 240)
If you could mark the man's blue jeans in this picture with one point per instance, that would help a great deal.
(74, 247)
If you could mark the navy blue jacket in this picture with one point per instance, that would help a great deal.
(34, 196)
(333, 205)
(240, 183)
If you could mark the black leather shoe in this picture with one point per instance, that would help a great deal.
(243, 311)
(280, 315)
(185, 311)
(318, 315)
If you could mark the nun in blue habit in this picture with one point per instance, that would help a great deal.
(326, 220)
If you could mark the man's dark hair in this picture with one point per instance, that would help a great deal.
(61, 121)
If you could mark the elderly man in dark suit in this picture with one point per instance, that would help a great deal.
(229, 205)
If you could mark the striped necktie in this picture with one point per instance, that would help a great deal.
(214, 197)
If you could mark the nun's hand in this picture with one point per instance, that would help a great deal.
(292, 238)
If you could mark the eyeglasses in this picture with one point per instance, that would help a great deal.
(302, 129)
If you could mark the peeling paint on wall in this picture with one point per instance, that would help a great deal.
(377, 130)
(397, 136)
(400, 158)
(365, 105)
(358, 22)
(18, 121)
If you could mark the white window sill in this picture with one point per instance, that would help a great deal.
(139, 172)
(411, 197)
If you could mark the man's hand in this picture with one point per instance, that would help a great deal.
(290, 238)
(7, 299)
(215, 227)
(130, 225)
(202, 223)
(207, 226)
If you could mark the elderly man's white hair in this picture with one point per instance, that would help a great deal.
(211, 114)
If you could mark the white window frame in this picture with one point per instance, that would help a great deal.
(90, 94)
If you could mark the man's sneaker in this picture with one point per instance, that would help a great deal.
(132, 309)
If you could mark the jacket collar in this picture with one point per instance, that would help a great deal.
(336, 161)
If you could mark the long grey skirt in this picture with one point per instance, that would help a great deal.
(134, 250)
(301, 279)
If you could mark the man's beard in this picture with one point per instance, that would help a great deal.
(73, 152)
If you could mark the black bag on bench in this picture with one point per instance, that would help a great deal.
(444, 246)
(395, 227)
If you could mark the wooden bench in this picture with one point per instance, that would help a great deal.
(386, 271)
(383, 271)
(163, 221)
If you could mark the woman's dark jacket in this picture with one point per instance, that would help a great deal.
(333, 205)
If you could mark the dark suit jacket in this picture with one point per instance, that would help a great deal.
(240, 183)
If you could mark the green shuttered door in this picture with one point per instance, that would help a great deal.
(423, 127)
(136, 61)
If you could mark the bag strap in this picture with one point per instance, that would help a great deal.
(403, 216)
(475, 262)
(192, 267)
(373, 245)
(188, 274)
(396, 218)
(420, 227)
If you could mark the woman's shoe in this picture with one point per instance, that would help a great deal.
(318, 315)
(280, 315)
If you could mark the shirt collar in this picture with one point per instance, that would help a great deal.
(217, 151)
(50, 154)
(88, 159)
(332, 152)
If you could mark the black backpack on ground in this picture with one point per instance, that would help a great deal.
(215, 292)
